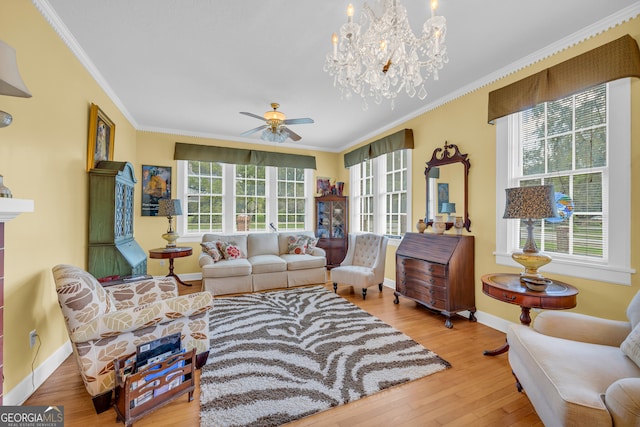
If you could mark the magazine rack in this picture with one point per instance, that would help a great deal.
(152, 387)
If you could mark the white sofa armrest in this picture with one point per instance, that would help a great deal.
(318, 252)
(581, 327)
(623, 402)
(205, 259)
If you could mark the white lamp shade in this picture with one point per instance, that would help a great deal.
(11, 83)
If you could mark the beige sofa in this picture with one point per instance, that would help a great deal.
(580, 370)
(265, 263)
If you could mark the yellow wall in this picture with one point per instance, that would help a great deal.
(464, 122)
(43, 157)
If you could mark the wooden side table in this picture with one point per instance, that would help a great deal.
(171, 254)
(508, 288)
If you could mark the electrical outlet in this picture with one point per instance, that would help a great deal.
(32, 338)
(161, 263)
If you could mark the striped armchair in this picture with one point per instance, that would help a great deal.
(106, 323)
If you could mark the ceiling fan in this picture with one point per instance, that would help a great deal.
(275, 130)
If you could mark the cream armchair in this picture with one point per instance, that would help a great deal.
(105, 323)
(580, 370)
(363, 266)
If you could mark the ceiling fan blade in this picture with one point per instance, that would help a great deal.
(249, 132)
(298, 121)
(292, 134)
(252, 115)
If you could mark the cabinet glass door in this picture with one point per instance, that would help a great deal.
(338, 212)
(324, 219)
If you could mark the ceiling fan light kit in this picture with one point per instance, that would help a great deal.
(275, 130)
(381, 60)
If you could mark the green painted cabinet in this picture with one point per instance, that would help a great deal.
(112, 246)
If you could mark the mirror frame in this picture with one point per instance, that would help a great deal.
(447, 156)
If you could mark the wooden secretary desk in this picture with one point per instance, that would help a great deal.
(437, 271)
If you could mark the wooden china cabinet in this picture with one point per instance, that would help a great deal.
(332, 214)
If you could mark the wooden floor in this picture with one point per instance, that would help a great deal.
(477, 390)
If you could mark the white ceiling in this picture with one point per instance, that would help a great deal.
(190, 66)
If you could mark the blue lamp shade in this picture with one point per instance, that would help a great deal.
(448, 208)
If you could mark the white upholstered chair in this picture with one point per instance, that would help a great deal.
(363, 266)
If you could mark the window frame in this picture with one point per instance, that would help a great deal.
(617, 268)
(228, 201)
(379, 173)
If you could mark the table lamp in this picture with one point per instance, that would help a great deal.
(170, 208)
(448, 208)
(529, 203)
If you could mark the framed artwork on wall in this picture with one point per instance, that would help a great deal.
(156, 185)
(102, 132)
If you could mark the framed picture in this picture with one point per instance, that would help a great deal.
(443, 195)
(156, 185)
(102, 133)
(323, 186)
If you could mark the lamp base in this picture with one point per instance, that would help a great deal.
(531, 261)
(171, 237)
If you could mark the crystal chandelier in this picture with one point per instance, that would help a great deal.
(386, 57)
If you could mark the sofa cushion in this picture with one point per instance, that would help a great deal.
(283, 239)
(267, 264)
(262, 244)
(297, 245)
(633, 310)
(227, 268)
(239, 240)
(211, 249)
(229, 250)
(631, 345)
(303, 262)
(311, 244)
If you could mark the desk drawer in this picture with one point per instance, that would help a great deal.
(419, 268)
(512, 297)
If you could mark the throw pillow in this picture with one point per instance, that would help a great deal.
(631, 345)
(211, 248)
(229, 250)
(297, 245)
(311, 244)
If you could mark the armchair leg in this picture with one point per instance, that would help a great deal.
(335, 288)
(518, 385)
(201, 359)
(102, 402)
(380, 287)
(364, 293)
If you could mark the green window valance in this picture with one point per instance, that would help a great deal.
(398, 141)
(611, 61)
(238, 156)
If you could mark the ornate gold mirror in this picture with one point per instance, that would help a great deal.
(449, 155)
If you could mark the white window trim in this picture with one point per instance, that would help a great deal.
(378, 198)
(618, 268)
(228, 202)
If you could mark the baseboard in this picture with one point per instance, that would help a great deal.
(20, 393)
(486, 319)
(186, 277)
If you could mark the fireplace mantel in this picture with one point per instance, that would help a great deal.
(11, 208)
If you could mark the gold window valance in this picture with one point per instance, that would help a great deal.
(611, 61)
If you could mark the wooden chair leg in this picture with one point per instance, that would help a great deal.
(364, 293)
(201, 359)
(102, 402)
(335, 288)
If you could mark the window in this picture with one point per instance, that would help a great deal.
(569, 143)
(379, 202)
(229, 198)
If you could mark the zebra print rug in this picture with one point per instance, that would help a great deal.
(283, 355)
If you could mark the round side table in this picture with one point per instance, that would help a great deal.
(508, 288)
(171, 254)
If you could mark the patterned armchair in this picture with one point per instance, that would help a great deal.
(105, 323)
(363, 266)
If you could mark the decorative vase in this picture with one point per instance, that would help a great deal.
(421, 226)
(458, 224)
(4, 190)
(439, 227)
